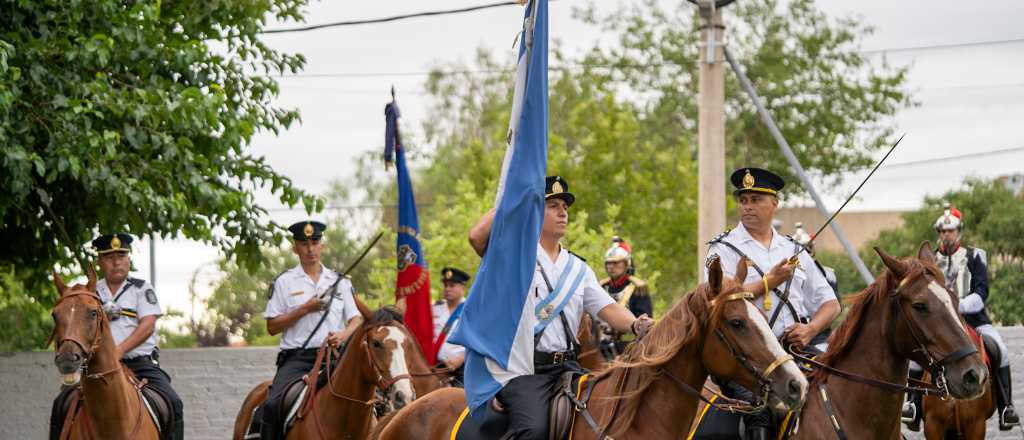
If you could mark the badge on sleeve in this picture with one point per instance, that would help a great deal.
(151, 296)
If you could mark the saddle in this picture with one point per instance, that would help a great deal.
(158, 408)
(494, 424)
(294, 395)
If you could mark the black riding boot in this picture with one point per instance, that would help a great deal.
(757, 433)
(1004, 400)
(914, 416)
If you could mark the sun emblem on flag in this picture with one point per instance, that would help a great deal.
(406, 256)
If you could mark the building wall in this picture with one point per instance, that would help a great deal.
(859, 227)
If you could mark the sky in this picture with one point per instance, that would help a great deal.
(971, 97)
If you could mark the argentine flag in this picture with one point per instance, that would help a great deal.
(496, 328)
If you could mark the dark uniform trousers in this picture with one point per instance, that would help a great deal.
(527, 400)
(144, 367)
(291, 366)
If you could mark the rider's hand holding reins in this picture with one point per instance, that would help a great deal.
(642, 325)
(799, 335)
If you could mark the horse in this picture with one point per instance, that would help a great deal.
(956, 419)
(382, 354)
(651, 391)
(86, 357)
(590, 357)
(905, 314)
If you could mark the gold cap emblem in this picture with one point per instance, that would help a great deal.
(748, 180)
(556, 188)
(308, 230)
(448, 274)
(115, 243)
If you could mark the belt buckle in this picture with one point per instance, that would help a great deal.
(558, 358)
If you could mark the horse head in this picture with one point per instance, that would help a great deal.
(390, 349)
(739, 346)
(925, 326)
(78, 320)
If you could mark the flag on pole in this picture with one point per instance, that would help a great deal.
(413, 282)
(496, 328)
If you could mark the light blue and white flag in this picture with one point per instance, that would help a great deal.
(496, 327)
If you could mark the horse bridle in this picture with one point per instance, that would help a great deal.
(382, 383)
(92, 346)
(762, 377)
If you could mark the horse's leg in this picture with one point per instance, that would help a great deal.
(252, 400)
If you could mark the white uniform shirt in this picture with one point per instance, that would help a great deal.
(293, 289)
(587, 297)
(808, 290)
(134, 295)
(449, 350)
(439, 312)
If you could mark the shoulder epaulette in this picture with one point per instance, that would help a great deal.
(641, 286)
(640, 283)
(577, 256)
(719, 237)
(604, 281)
(270, 292)
(136, 282)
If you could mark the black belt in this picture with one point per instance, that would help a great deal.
(542, 358)
(294, 351)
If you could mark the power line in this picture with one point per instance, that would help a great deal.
(392, 18)
(945, 46)
(956, 157)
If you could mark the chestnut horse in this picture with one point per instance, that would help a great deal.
(382, 354)
(86, 356)
(957, 419)
(649, 392)
(906, 314)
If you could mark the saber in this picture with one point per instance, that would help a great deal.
(793, 259)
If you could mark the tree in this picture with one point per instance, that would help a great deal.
(136, 117)
(991, 221)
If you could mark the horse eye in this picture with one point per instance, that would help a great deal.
(92, 313)
(377, 345)
(736, 323)
(920, 307)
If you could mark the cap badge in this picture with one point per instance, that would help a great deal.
(748, 180)
(308, 230)
(115, 243)
(556, 188)
(448, 274)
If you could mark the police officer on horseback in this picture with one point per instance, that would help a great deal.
(132, 309)
(308, 304)
(788, 286)
(446, 317)
(965, 269)
(625, 288)
(526, 398)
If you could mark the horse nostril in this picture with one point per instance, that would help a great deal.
(971, 378)
(794, 388)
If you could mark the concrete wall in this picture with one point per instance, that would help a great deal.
(213, 381)
(859, 227)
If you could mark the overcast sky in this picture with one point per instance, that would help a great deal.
(971, 97)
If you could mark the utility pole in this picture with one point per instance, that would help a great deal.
(711, 129)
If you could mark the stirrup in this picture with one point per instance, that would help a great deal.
(1008, 413)
(909, 412)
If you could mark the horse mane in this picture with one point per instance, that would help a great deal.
(388, 314)
(677, 329)
(841, 342)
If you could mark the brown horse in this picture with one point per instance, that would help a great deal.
(86, 356)
(382, 354)
(648, 393)
(957, 419)
(591, 357)
(906, 314)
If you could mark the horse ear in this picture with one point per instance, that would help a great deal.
(715, 276)
(58, 282)
(363, 309)
(91, 273)
(741, 271)
(925, 253)
(897, 267)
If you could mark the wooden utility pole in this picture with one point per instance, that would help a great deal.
(711, 130)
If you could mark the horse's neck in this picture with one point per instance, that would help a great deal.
(871, 355)
(423, 381)
(111, 401)
(339, 414)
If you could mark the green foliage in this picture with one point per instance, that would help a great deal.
(136, 116)
(849, 279)
(25, 321)
(991, 217)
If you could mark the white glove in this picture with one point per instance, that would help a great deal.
(971, 304)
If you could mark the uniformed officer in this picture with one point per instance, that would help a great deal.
(804, 239)
(308, 303)
(446, 317)
(965, 269)
(794, 295)
(132, 309)
(626, 289)
(527, 398)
